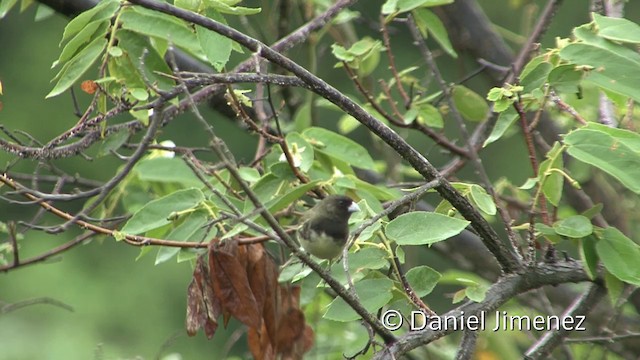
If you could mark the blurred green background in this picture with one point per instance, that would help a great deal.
(123, 308)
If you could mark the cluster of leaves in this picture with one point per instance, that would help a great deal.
(598, 57)
(131, 54)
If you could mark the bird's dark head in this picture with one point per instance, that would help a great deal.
(339, 206)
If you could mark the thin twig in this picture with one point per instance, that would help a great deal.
(392, 62)
(542, 348)
(471, 150)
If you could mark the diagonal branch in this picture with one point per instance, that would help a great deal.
(506, 257)
(498, 294)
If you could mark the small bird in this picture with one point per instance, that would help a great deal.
(325, 230)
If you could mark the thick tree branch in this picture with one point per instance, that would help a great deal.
(499, 293)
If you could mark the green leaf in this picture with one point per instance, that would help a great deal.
(293, 272)
(76, 67)
(475, 287)
(410, 116)
(364, 55)
(529, 184)
(360, 264)
(347, 124)
(249, 174)
(482, 199)
(216, 47)
(166, 170)
(531, 65)
(226, 8)
(341, 53)
(339, 147)
(615, 151)
(430, 116)
(427, 21)
(476, 293)
(408, 5)
(102, 11)
(139, 94)
(301, 150)
(191, 5)
(617, 29)
(547, 232)
(302, 116)
(471, 106)
(593, 211)
(156, 213)
(613, 67)
(266, 188)
(576, 226)
(373, 294)
(389, 7)
(420, 228)
(379, 191)
(565, 78)
(113, 142)
(192, 228)
(5, 6)
(423, 279)
(505, 120)
(161, 26)
(537, 77)
(589, 256)
(43, 12)
(288, 198)
(89, 33)
(614, 287)
(552, 181)
(619, 255)
(130, 68)
(188, 255)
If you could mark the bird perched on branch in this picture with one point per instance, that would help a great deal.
(324, 230)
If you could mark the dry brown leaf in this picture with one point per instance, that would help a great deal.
(260, 345)
(231, 284)
(242, 282)
(202, 306)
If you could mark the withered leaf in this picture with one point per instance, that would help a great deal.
(260, 344)
(231, 283)
(202, 306)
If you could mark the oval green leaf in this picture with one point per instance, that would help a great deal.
(483, 200)
(192, 228)
(339, 147)
(620, 255)
(423, 279)
(614, 151)
(155, 213)
(471, 106)
(76, 67)
(576, 226)
(420, 228)
(373, 294)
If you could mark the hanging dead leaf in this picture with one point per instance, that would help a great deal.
(203, 308)
(290, 328)
(242, 282)
(231, 284)
(260, 345)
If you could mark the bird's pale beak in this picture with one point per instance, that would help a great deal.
(353, 207)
